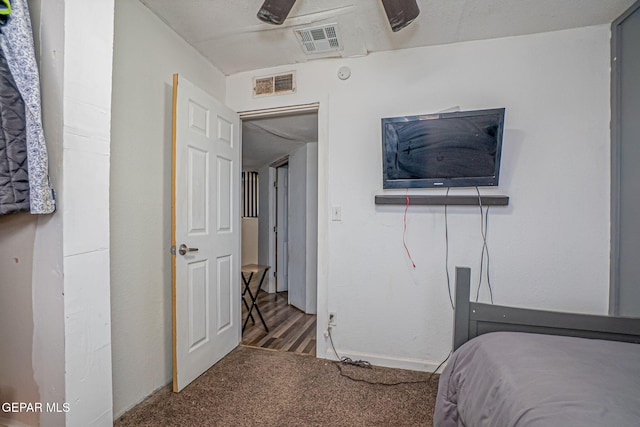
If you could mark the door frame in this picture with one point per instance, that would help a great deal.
(322, 260)
(616, 93)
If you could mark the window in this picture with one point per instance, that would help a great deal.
(249, 194)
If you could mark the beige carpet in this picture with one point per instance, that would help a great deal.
(256, 387)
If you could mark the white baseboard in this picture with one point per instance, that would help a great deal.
(387, 361)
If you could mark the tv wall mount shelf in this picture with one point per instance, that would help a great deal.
(442, 200)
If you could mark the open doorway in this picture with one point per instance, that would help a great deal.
(283, 150)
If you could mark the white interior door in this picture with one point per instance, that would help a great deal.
(282, 239)
(206, 224)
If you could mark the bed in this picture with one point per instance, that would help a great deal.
(521, 367)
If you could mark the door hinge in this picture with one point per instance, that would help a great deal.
(173, 250)
(275, 229)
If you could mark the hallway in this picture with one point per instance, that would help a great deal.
(290, 329)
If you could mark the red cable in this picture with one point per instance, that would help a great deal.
(404, 230)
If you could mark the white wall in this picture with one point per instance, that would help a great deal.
(549, 248)
(71, 342)
(303, 226)
(297, 223)
(146, 54)
(17, 234)
(249, 241)
(311, 232)
(48, 357)
(86, 149)
(266, 222)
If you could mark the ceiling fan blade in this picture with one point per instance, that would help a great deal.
(400, 12)
(275, 11)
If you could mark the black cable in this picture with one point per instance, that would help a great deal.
(440, 365)
(486, 232)
(484, 245)
(446, 259)
(484, 224)
(348, 360)
(367, 365)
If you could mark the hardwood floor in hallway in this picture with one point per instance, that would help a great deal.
(289, 328)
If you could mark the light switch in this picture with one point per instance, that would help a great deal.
(336, 213)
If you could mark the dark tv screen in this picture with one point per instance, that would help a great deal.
(460, 149)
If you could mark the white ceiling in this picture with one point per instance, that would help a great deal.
(266, 140)
(231, 37)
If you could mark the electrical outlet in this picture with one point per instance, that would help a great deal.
(332, 319)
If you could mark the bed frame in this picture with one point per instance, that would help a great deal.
(473, 319)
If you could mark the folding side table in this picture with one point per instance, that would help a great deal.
(251, 270)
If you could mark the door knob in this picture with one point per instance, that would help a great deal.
(183, 249)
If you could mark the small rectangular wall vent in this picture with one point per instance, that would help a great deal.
(320, 39)
(278, 84)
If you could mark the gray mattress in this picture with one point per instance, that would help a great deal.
(521, 379)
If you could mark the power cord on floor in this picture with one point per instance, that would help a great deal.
(367, 365)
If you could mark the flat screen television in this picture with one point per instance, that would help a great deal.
(459, 149)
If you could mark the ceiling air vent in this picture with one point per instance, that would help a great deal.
(274, 85)
(320, 39)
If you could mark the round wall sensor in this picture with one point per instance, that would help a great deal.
(344, 73)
